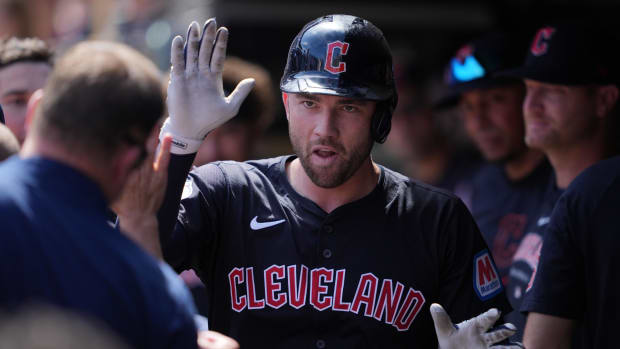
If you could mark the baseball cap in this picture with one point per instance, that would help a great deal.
(577, 53)
(474, 65)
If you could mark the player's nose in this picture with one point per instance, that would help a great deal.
(532, 104)
(326, 123)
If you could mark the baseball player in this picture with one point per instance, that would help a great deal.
(511, 190)
(570, 113)
(324, 248)
(576, 287)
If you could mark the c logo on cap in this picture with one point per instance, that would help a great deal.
(332, 57)
(539, 44)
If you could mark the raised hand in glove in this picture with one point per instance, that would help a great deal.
(196, 100)
(473, 333)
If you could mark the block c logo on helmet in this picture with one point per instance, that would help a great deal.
(333, 57)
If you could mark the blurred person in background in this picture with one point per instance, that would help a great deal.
(571, 114)
(25, 65)
(423, 145)
(512, 189)
(146, 25)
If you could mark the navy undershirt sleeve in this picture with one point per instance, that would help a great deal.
(172, 239)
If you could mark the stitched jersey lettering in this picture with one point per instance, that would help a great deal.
(386, 300)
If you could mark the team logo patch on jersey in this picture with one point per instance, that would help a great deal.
(486, 278)
(188, 188)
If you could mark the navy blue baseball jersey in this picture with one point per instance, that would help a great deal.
(525, 259)
(578, 274)
(283, 273)
(503, 208)
(57, 247)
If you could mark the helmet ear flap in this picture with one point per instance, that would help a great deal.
(381, 125)
(381, 122)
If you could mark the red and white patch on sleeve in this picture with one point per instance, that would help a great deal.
(486, 278)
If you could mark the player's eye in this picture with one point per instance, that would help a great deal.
(18, 100)
(349, 108)
(498, 97)
(308, 104)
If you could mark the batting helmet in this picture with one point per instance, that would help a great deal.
(346, 56)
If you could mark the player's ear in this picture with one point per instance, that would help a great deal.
(285, 101)
(31, 108)
(606, 99)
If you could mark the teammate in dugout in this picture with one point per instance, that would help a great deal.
(324, 248)
(575, 291)
(517, 184)
(571, 113)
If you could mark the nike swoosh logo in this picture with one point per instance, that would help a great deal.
(256, 225)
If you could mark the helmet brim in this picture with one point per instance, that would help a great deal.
(315, 82)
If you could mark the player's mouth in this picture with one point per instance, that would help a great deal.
(488, 141)
(536, 123)
(323, 155)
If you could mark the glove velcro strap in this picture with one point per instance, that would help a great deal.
(180, 145)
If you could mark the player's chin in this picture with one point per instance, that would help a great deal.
(327, 179)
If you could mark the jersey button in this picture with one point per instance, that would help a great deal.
(327, 253)
(320, 343)
(328, 229)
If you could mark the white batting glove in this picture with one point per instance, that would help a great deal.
(196, 100)
(472, 333)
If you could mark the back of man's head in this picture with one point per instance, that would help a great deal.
(100, 95)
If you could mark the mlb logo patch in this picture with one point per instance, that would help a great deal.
(487, 282)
